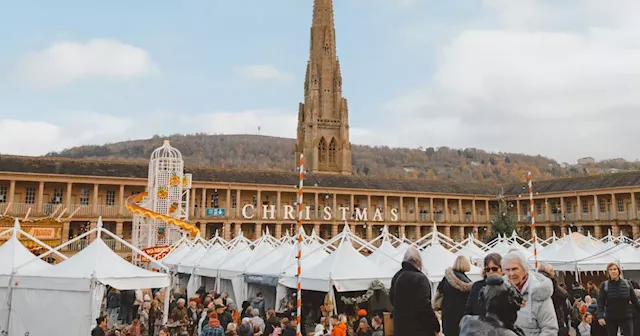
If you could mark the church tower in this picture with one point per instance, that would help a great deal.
(323, 118)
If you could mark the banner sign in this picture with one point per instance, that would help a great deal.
(157, 252)
(37, 232)
(261, 280)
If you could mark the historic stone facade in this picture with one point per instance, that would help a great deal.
(323, 118)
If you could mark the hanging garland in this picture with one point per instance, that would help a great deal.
(375, 285)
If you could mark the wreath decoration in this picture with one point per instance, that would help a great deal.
(374, 286)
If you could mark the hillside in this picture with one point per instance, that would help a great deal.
(273, 153)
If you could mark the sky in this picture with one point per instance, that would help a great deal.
(556, 78)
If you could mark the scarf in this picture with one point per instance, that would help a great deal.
(522, 283)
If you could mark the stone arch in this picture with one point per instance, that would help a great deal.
(332, 151)
(322, 150)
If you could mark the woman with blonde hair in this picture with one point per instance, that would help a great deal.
(615, 302)
(454, 289)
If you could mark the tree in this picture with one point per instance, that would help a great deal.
(504, 222)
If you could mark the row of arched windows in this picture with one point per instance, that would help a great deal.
(327, 154)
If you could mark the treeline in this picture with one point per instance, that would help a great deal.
(263, 152)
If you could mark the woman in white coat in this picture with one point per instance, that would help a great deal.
(537, 317)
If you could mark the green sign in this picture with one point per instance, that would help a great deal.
(215, 212)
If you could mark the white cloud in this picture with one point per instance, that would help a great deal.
(73, 129)
(88, 128)
(528, 86)
(64, 63)
(262, 72)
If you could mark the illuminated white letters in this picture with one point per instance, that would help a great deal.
(245, 214)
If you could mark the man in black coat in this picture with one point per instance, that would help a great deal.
(410, 296)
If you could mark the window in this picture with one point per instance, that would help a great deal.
(332, 151)
(234, 201)
(569, 207)
(322, 151)
(57, 195)
(30, 197)
(602, 206)
(538, 208)
(111, 197)
(620, 205)
(84, 196)
(585, 206)
(3, 194)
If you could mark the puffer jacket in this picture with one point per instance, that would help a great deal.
(538, 316)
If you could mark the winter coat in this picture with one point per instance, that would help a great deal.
(559, 299)
(473, 306)
(270, 324)
(339, 330)
(113, 300)
(584, 329)
(597, 329)
(474, 326)
(538, 316)
(410, 296)
(378, 332)
(455, 288)
(617, 300)
(258, 303)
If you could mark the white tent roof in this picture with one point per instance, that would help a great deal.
(471, 250)
(274, 262)
(235, 266)
(190, 259)
(386, 253)
(347, 268)
(13, 255)
(210, 263)
(436, 259)
(97, 261)
(175, 256)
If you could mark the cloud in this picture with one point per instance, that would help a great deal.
(262, 73)
(89, 128)
(527, 85)
(64, 63)
(27, 137)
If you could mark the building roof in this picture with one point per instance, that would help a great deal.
(605, 181)
(138, 169)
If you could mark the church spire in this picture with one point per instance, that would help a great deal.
(323, 126)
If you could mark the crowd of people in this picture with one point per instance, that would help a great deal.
(511, 300)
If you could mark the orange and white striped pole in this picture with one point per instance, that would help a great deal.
(534, 234)
(299, 246)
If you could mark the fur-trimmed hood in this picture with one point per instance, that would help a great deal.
(456, 282)
(539, 286)
(473, 326)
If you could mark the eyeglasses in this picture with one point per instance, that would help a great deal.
(491, 269)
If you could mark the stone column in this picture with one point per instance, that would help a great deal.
(446, 210)
(316, 214)
(95, 195)
(369, 235)
(385, 214)
(401, 210)
(403, 232)
(192, 203)
(634, 206)
(12, 191)
(461, 232)
(203, 230)
(416, 231)
(597, 231)
(563, 207)
(432, 217)
(518, 210)
(334, 230)
(69, 200)
(258, 231)
(460, 211)
(119, 229)
(92, 226)
(227, 230)
(259, 204)
(66, 226)
(203, 203)
(239, 203)
(121, 200)
(486, 211)
(635, 231)
(474, 215)
(447, 231)
(547, 232)
(334, 212)
(579, 214)
(316, 228)
(614, 207)
(39, 198)
(615, 230)
(596, 207)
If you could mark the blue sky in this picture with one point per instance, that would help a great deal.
(470, 73)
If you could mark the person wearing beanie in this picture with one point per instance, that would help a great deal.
(501, 302)
(356, 323)
(363, 328)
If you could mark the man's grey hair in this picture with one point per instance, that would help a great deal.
(516, 256)
(255, 312)
(413, 257)
(181, 300)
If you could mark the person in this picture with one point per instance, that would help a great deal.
(584, 328)
(113, 306)
(538, 316)
(492, 266)
(257, 320)
(363, 328)
(376, 326)
(454, 288)
(501, 302)
(410, 296)
(615, 302)
(559, 299)
(339, 325)
(100, 327)
(258, 303)
(592, 290)
(271, 323)
(164, 331)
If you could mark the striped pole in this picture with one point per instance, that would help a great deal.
(534, 234)
(299, 246)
